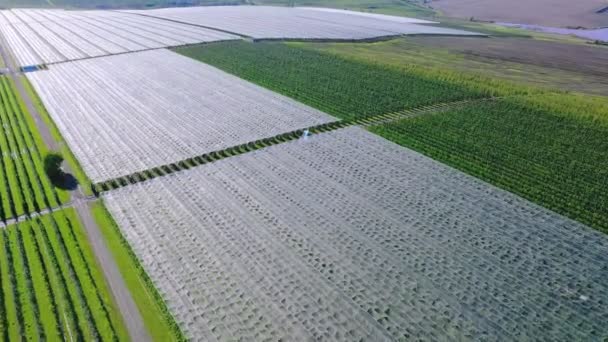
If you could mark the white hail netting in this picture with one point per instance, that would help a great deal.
(298, 23)
(346, 236)
(46, 36)
(127, 113)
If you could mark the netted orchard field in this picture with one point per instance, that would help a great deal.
(316, 239)
(128, 113)
(346, 89)
(24, 186)
(541, 144)
(268, 22)
(49, 36)
(52, 288)
(551, 149)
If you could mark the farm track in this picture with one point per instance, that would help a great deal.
(130, 52)
(45, 211)
(184, 23)
(211, 157)
(23, 186)
(79, 201)
(51, 290)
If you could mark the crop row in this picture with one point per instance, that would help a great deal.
(557, 160)
(24, 187)
(287, 243)
(51, 288)
(346, 89)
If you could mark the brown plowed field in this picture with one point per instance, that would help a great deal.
(559, 13)
(591, 60)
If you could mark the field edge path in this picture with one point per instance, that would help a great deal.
(122, 297)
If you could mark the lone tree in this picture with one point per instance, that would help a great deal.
(52, 167)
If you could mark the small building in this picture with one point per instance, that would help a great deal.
(29, 68)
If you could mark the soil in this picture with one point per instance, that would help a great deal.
(591, 60)
(558, 13)
(546, 63)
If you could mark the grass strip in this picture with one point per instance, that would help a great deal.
(157, 318)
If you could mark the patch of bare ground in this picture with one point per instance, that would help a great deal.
(559, 13)
(585, 59)
(550, 64)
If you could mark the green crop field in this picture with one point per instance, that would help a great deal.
(24, 186)
(52, 288)
(346, 89)
(526, 61)
(546, 145)
(553, 158)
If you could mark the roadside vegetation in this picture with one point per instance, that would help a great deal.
(52, 288)
(157, 318)
(546, 145)
(52, 167)
(24, 186)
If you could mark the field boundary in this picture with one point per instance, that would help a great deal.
(119, 298)
(210, 157)
(183, 23)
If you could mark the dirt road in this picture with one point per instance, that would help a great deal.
(122, 297)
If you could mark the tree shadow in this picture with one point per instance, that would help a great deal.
(65, 182)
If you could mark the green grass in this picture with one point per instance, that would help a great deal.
(24, 186)
(79, 173)
(51, 285)
(554, 156)
(157, 318)
(344, 88)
